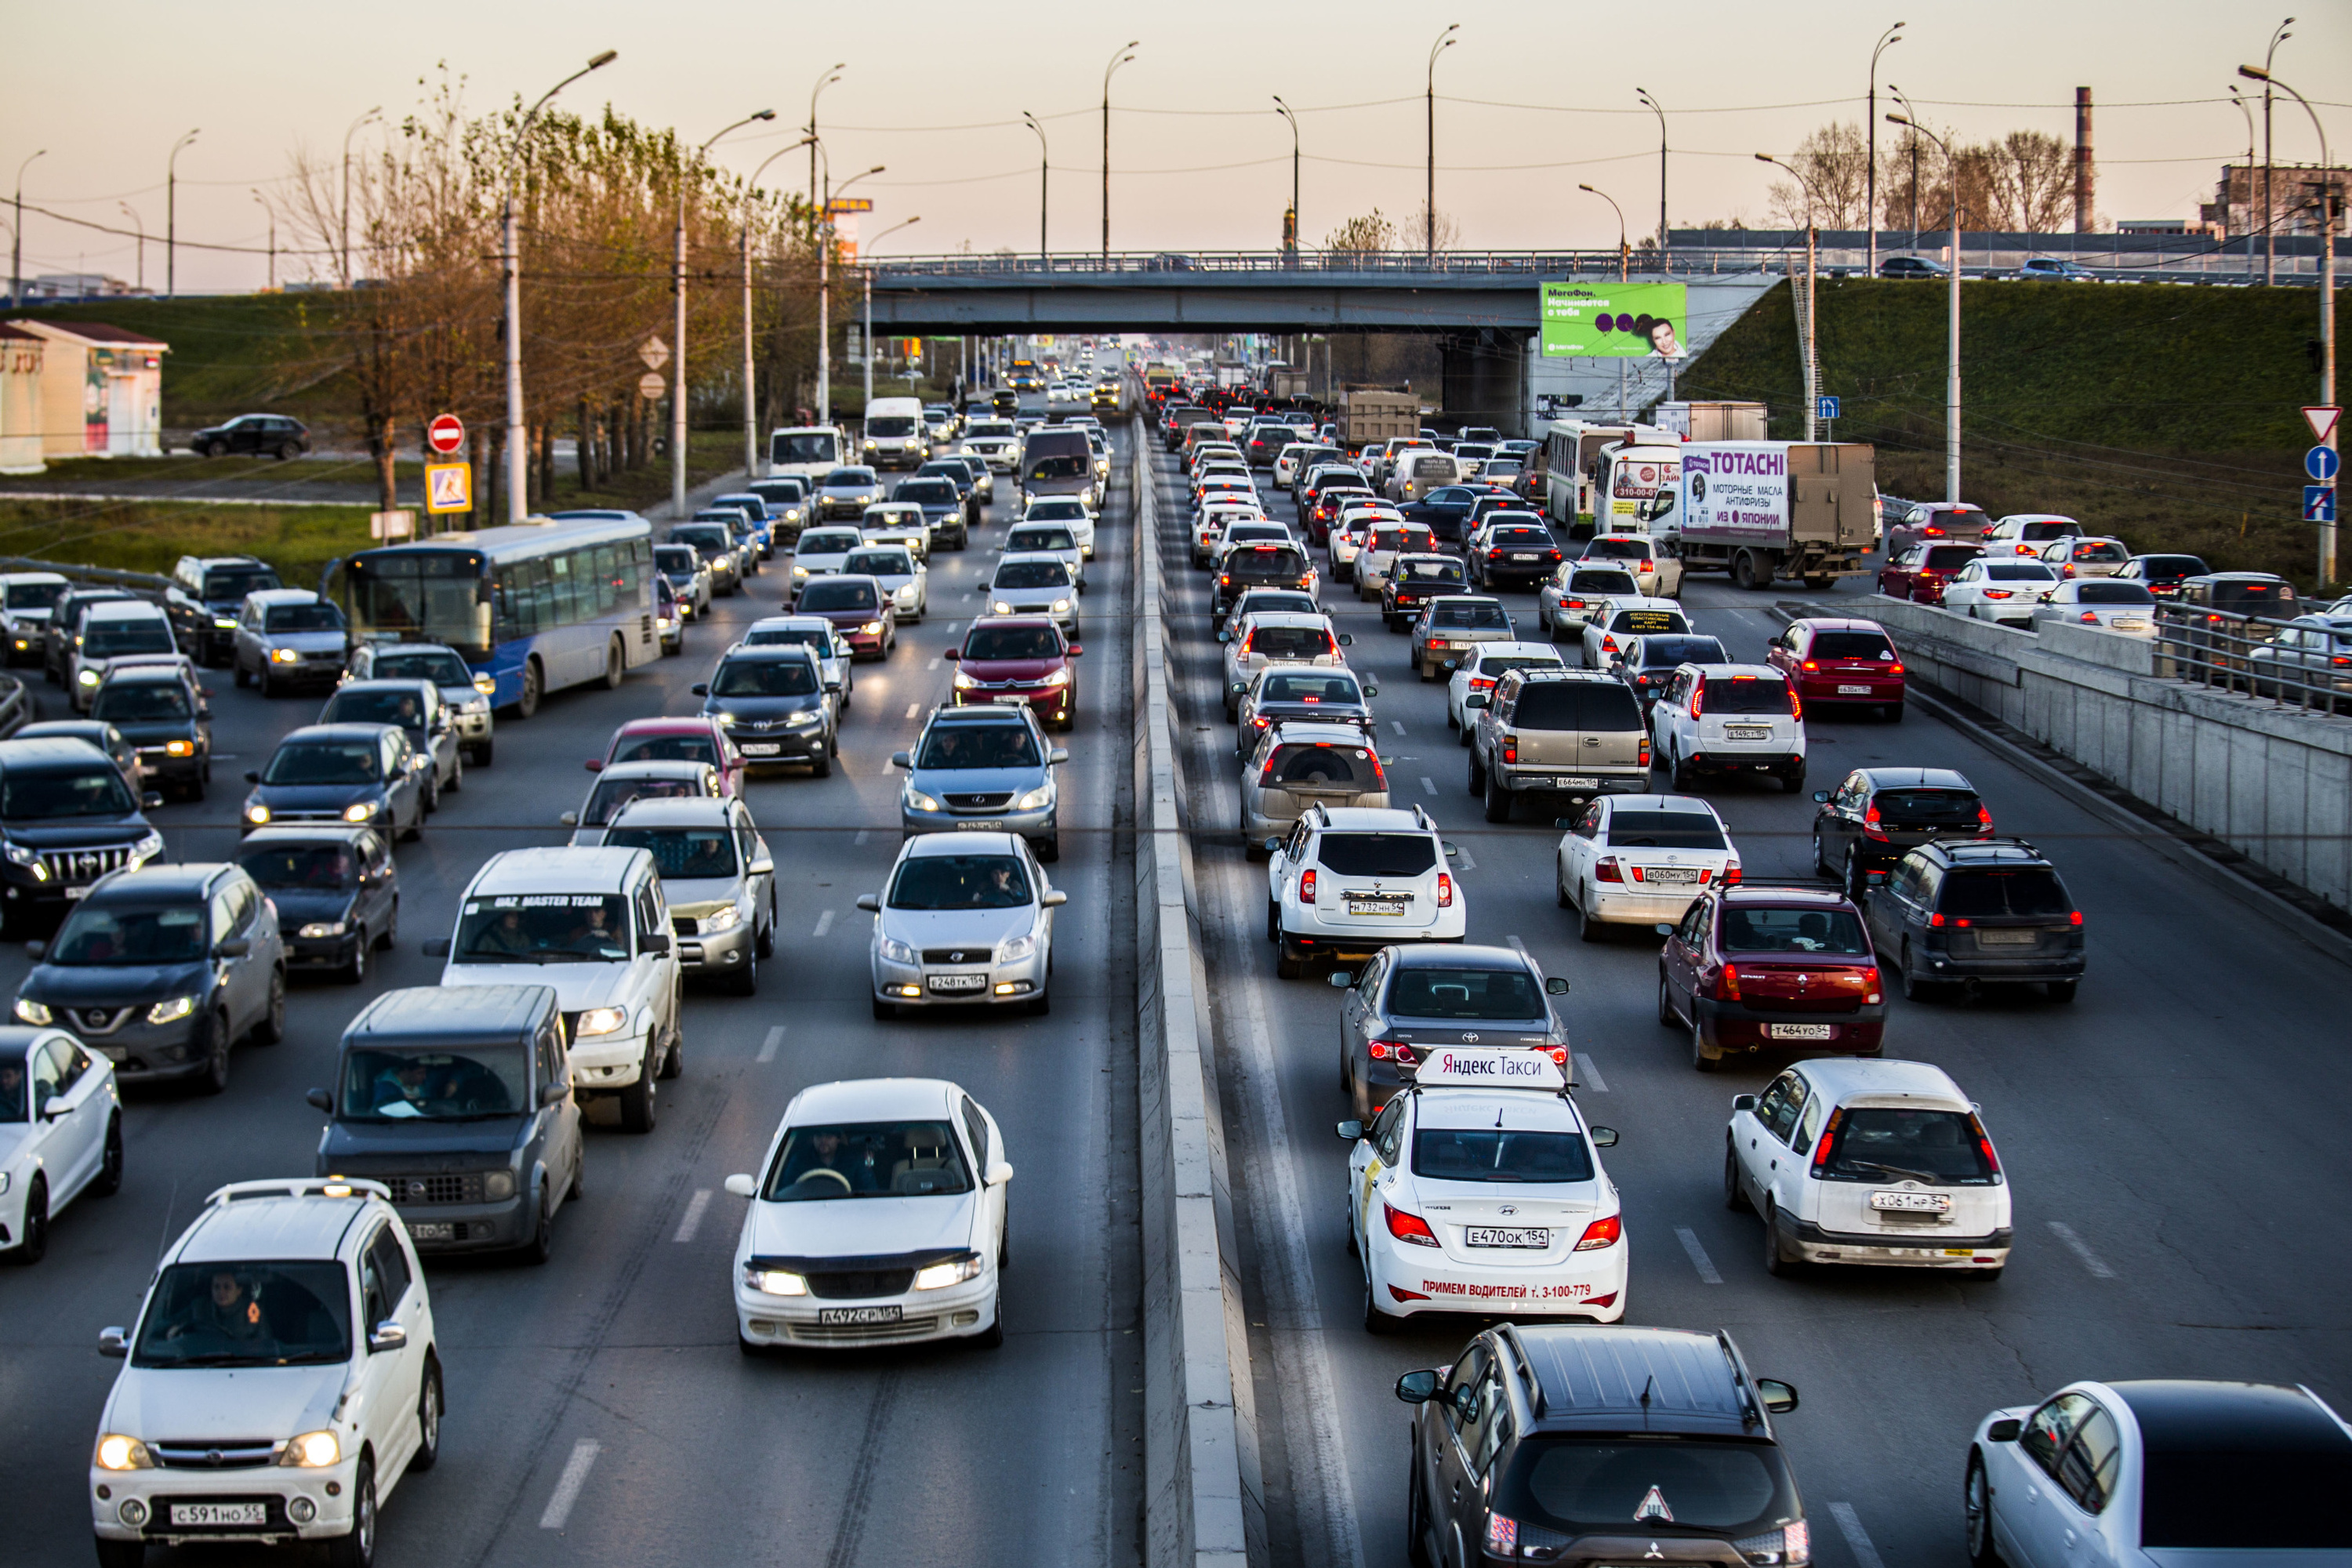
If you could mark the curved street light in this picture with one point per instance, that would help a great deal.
(1043, 155)
(750, 408)
(17, 243)
(1120, 57)
(2327, 183)
(1652, 104)
(344, 223)
(832, 74)
(1624, 267)
(824, 287)
(867, 278)
(1292, 120)
(1870, 176)
(1445, 40)
(678, 344)
(172, 217)
(2279, 34)
(1952, 347)
(131, 213)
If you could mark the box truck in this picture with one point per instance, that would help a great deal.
(1712, 421)
(1765, 509)
(1368, 417)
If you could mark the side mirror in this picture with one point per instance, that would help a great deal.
(1475, 698)
(654, 944)
(554, 1093)
(743, 1185)
(1820, 797)
(701, 689)
(116, 1343)
(1662, 929)
(2004, 1430)
(1451, 850)
(204, 711)
(952, 655)
(235, 947)
(1342, 979)
(763, 867)
(1743, 1103)
(1604, 1137)
(1555, 984)
(1057, 756)
(902, 760)
(870, 902)
(1346, 639)
(1075, 651)
(322, 1101)
(596, 766)
(1417, 1387)
(1054, 899)
(999, 1172)
(1225, 637)
(33, 950)
(1371, 691)
(437, 947)
(1779, 1397)
(252, 777)
(388, 1336)
(569, 819)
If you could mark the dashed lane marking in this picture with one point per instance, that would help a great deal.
(1699, 1259)
(1429, 784)
(568, 1484)
(768, 1046)
(1590, 1075)
(1857, 1539)
(2081, 1249)
(934, 663)
(913, 709)
(1398, 725)
(824, 925)
(863, 835)
(692, 1221)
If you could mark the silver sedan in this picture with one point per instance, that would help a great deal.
(967, 917)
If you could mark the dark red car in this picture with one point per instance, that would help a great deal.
(1919, 573)
(1755, 969)
(1833, 661)
(699, 738)
(1019, 659)
(860, 608)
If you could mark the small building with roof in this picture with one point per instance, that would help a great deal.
(101, 389)
(21, 355)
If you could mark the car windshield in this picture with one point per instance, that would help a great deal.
(34, 595)
(960, 882)
(986, 643)
(929, 492)
(1665, 653)
(1428, 571)
(666, 749)
(1056, 510)
(111, 933)
(1041, 539)
(681, 853)
(764, 678)
(1500, 1155)
(325, 762)
(708, 539)
(880, 563)
(247, 1314)
(440, 667)
(1747, 928)
(781, 492)
(1971, 893)
(890, 425)
(228, 582)
(829, 542)
(1470, 617)
(676, 560)
(113, 638)
(391, 1084)
(950, 747)
(866, 1160)
(839, 593)
(97, 791)
(1482, 993)
(1665, 830)
(818, 447)
(1308, 687)
(606, 801)
(1032, 574)
(1849, 644)
(1377, 854)
(1289, 642)
(849, 479)
(2108, 591)
(322, 867)
(320, 617)
(543, 927)
(1580, 1485)
(140, 701)
(1746, 694)
(377, 706)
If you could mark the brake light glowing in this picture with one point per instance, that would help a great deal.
(1698, 696)
(1936, 920)
(1894, 670)
(1810, 663)
(1601, 1233)
(1558, 1054)
(1481, 682)
(1502, 1535)
(1409, 1227)
(2074, 919)
(1445, 890)
(1984, 820)
(1307, 887)
(1607, 871)
(1511, 748)
(2089, 618)
(1829, 1139)
(1645, 751)
(1726, 985)
(1730, 874)
(1984, 1144)
(1392, 1050)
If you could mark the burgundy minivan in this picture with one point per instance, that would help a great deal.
(1019, 659)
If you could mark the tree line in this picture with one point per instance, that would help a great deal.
(2023, 183)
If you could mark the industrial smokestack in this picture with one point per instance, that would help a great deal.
(2082, 160)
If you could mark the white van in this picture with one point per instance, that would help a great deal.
(805, 451)
(1416, 471)
(895, 435)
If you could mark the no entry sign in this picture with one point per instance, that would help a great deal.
(446, 434)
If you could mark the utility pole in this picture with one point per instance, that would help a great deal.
(1043, 171)
(344, 223)
(170, 217)
(678, 344)
(1812, 355)
(131, 213)
(2327, 204)
(273, 241)
(1870, 121)
(2270, 211)
(1952, 366)
(1624, 273)
(751, 408)
(1120, 57)
(1445, 40)
(17, 242)
(1666, 262)
(825, 293)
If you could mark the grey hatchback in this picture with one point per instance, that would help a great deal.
(1408, 999)
(984, 768)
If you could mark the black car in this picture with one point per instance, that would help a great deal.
(773, 700)
(1289, 693)
(943, 507)
(1984, 911)
(958, 471)
(205, 594)
(1412, 581)
(63, 633)
(343, 772)
(459, 1100)
(1866, 824)
(166, 716)
(1913, 266)
(263, 435)
(2162, 574)
(162, 969)
(1653, 660)
(337, 894)
(1261, 567)
(95, 732)
(1577, 1443)
(1521, 552)
(1443, 511)
(65, 819)
(714, 543)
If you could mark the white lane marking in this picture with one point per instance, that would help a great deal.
(824, 925)
(768, 1046)
(1591, 1073)
(862, 836)
(934, 663)
(568, 1484)
(692, 1222)
(1857, 1539)
(2081, 1249)
(1429, 784)
(1699, 1259)
(913, 709)
(1463, 862)
(1398, 725)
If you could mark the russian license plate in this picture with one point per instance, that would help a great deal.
(1491, 1236)
(2132, 626)
(955, 981)
(73, 893)
(1669, 874)
(1576, 783)
(1521, 556)
(1376, 903)
(1912, 1203)
(1743, 732)
(760, 748)
(1854, 692)
(860, 1314)
(1012, 698)
(981, 825)
(443, 1230)
(198, 1515)
(1798, 1031)
(2008, 938)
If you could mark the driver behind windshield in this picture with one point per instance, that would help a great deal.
(403, 1086)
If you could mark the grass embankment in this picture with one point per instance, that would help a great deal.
(2167, 416)
(230, 354)
(151, 536)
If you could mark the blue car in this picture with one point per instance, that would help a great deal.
(755, 511)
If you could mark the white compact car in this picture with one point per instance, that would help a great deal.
(877, 1217)
(594, 925)
(1209, 533)
(1729, 719)
(1864, 1160)
(1616, 622)
(60, 1134)
(895, 522)
(966, 917)
(1071, 511)
(282, 1378)
(2089, 555)
(1638, 860)
(2107, 603)
(819, 553)
(1036, 585)
(1998, 588)
(1346, 881)
(1479, 1189)
(906, 579)
(1482, 665)
(1277, 637)
(1052, 538)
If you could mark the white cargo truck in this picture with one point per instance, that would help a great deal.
(1763, 510)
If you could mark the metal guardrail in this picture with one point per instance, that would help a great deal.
(16, 706)
(147, 581)
(2259, 656)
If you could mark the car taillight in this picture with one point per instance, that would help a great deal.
(1511, 748)
(1726, 985)
(1392, 1050)
(1227, 580)
(1645, 751)
(1647, 566)
(1894, 670)
(1731, 874)
(1810, 663)
(1601, 1233)
(1984, 1145)
(1495, 552)
(1502, 1535)
(2088, 618)
(1828, 1140)
(1937, 919)
(2075, 919)
(1408, 1227)
(1796, 703)
(1698, 696)
(1558, 1054)
(1481, 682)
(1307, 887)
(1607, 870)
(1445, 890)
(1608, 643)
(1984, 820)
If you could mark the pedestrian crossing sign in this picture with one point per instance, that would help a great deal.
(449, 487)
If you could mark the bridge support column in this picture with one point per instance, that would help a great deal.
(1485, 378)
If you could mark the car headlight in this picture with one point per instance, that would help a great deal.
(897, 952)
(1061, 605)
(954, 1271)
(872, 628)
(179, 748)
(726, 721)
(726, 918)
(965, 681)
(117, 1452)
(89, 678)
(359, 811)
(33, 1012)
(917, 801)
(791, 514)
(774, 1282)
(317, 929)
(873, 446)
(150, 845)
(224, 623)
(800, 571)
(284, 656)
(171, 1010)
(1036, 799)
(499, 1184)
(1002, 608)
(485, 684)
(1056, 677)
(256, 815)
(20, 855)
(1015, 948)
(313, 1451)
(603, 1021)
(803, 719)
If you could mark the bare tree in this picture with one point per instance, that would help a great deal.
(1369, 234)
(1836, 161)
(2033, 182)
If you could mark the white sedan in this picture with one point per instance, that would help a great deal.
(1485, 664)
(1481, 1191)
(1616, 622)
(1639, 860)
(2108, 602)
(60, 1134)
(876, 1217)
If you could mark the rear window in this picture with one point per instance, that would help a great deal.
(1665, 653)
(1430, 570)
(1320, 764)
(1470, 617)
(1647, 623)
(1517, 533)
(2172, 566)
(1500, 1155)
(1746, 929)
(1849, 644)
(1617, 550)
(2195, 1497)
(2104, 551)
(1268, 561)
(1746, 694)
(1481, 994)
(1593, 705)
(1665, 830)
(1581, 1485)
(1950, 557)
(1971, 894)
(2019, 571)
(2274, 599)
(1377, 854)
(1928, 807)
(1888, 1143)
(1432, 468)
(1604, 582)
(2108, 591)
(1290, 642)
(1308, 686)
(2048, 530)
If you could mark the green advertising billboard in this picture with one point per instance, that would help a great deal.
(1615, 321)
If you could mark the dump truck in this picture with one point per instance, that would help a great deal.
(1765, 509)
(1367, 416)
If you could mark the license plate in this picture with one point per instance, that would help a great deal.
(982, 826)
(760, 748)
(2008, 938)
(1376, 905)
(200, 1514)
(446, 1230)
(1798, 1031)
(1912, 1203)
(73, 893)
(1854, 692)
(956, 982)
(1669, 874)
(860, 1314)
(1579, 783)
(1523, 558)
(1489, 1236)
(1012, 698)
(2122, 625)
(1732, 732)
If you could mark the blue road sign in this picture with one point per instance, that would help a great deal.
(1829, 408)
(2322, 462)
(2319, 503)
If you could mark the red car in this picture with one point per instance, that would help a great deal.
(1832, 661)
(1919, 573)
(1019, 659)
(695, 740)
(860, 608)
(1752, 969)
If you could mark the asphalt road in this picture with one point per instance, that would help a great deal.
(616, 1366)
(2173, 1138)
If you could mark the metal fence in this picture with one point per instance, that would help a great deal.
(2293, 664)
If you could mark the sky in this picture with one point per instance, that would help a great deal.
(1535, 98)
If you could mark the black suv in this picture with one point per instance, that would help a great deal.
(205, 594)
(1266, 566)
(162, 969)
(1987, 910)
(1572, 1443)
(165, 715)
(336, 889)
(267, 435)
(65, 819)
(1867, 822)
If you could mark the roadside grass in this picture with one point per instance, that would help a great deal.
(230, 354)
(263, 475)
(151, 536)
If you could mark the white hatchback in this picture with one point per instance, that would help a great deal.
(60, 1134)
(1036, 585)
(1638, 860)
(819, 553)
(1729, 719)
(1277, 637)
(1616, 622)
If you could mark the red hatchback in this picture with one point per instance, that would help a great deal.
(1019, 659)
(1756, 969)
(695, 740)
(1831, 660)
(1920, 573)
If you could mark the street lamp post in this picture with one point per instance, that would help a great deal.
(866, 274)
(832, 74)
(1445, 40)
(1666, 262)
(1031, 121)
(1870, 170)
(1952, 349)
(1624, 273)
(131, 213)
(172, 218)
(1120, 57)
(751, 411)
(677, 343)
(1896, 93)
(344, 223)
(2270, 230)
(2326, 287)
(2247, 109)
(1284, 110)
(518, 459)
(1812, 356)
(824, 290)
(17, 242)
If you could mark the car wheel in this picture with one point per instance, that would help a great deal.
(1375, 1321)
(1821, 867)
(271, 1027)
(533, 684)
(765, 942)
(639, 1107)
(1042, 1003)
(34, 1244)
(1477, 784)
(1702, 1059)
(1678, 774)
(120, 1553)
(286, 451)
(1588, 927)
(391, 928)
(244, 675)
(541, 1244)
(1416, 1515)
(262, 681)
(1667, 1017)
(1735, 1192)
(108, 1179)
(428, 1420)
(212, 1042)
(821, 765)
(483, 754)
(992, 1337)
(745, 981)
(1559, 888)
(457, 772)
(355, 972)
(1857, 880)
(1976, 1507)
(1776, 1261)
(357, 1550)
(1498, 799)
(1287, 965)
(1793, 781)
(1049, 848)
(1914, 989)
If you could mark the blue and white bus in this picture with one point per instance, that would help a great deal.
(532, 609)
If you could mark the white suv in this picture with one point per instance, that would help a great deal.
(1729, 719)
(283, 1378)
(595, 924)
(1350, 880)
(1277, 637)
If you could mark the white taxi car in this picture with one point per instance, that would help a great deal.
(876, 1217)
(282, 1378)
(1862, 1160)
(1209, 533)
(1480, 1190)
(1638, 860)
(1346, 881)
(1618, 620)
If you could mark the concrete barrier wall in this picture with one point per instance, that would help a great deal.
(2273, 782)
(1204, 1495)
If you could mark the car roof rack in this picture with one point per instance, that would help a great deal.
(2005, 841)
(1510, 1334)
(298, 1187)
